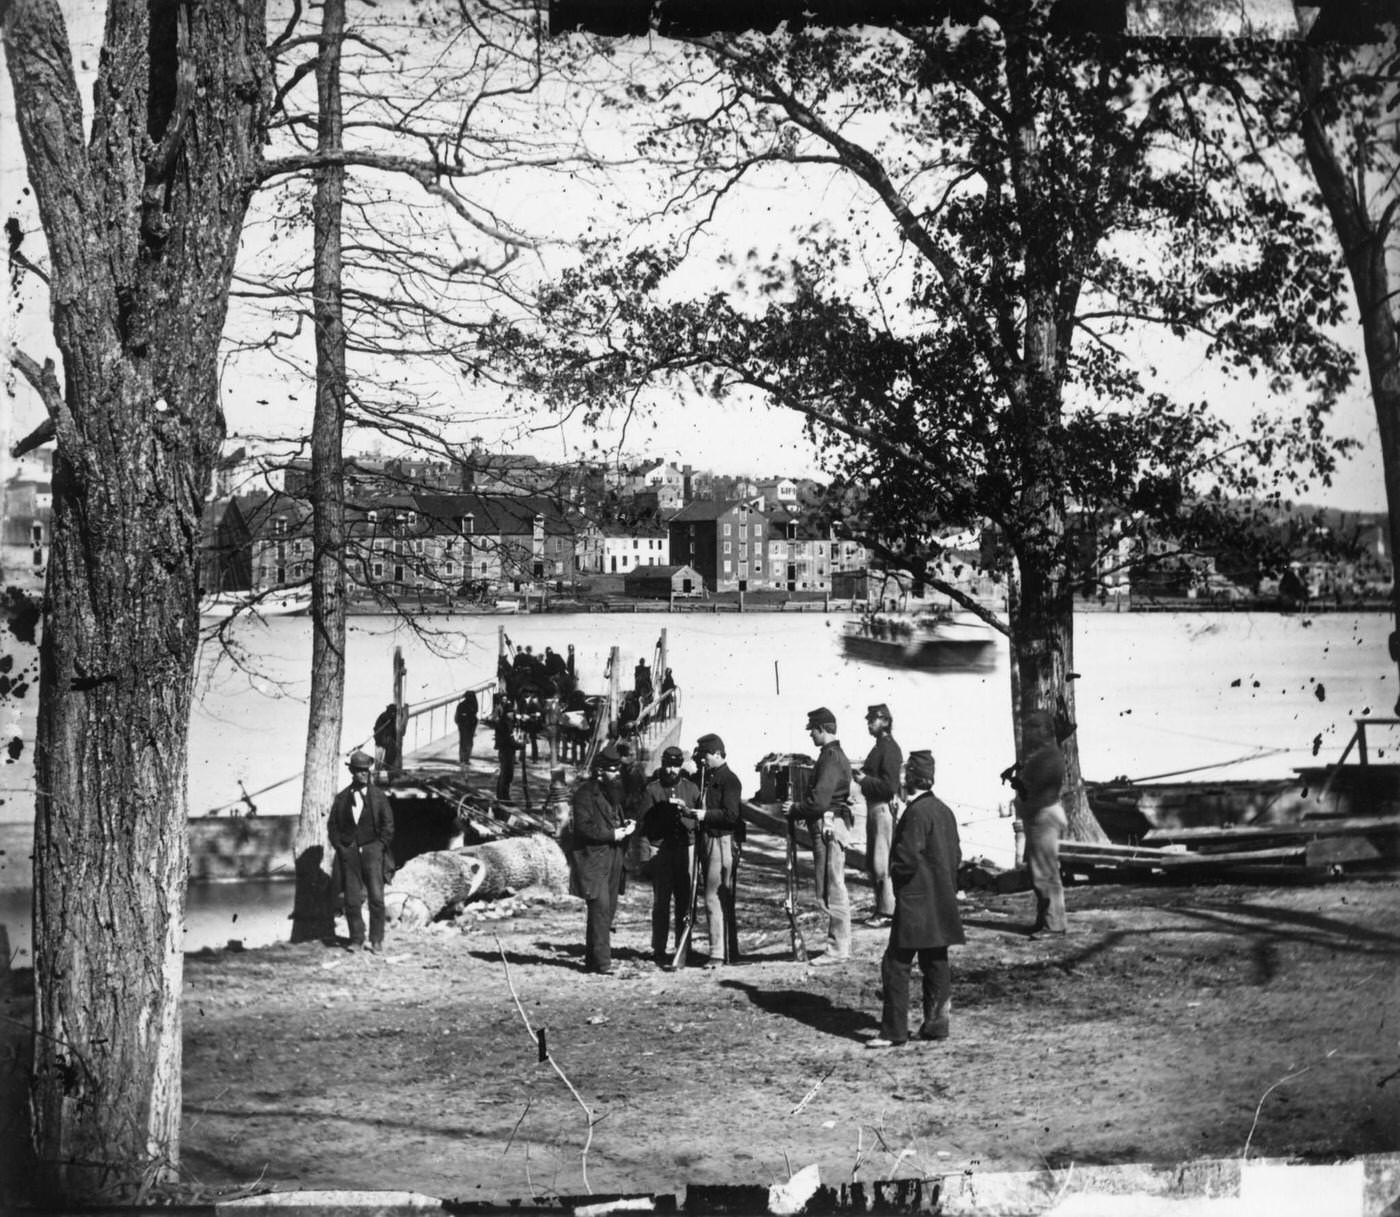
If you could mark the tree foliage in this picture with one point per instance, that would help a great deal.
(965, 335)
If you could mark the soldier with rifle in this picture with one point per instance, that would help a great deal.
(825, 807)
(668, 821)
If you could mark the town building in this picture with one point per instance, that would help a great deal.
(615, 549)
(798, 553)
(725, 540)
(663, 582)
(28, 514)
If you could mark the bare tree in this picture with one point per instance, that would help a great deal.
(142, 223)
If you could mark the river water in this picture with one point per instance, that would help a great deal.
(1248, 694)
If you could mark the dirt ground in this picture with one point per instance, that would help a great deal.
(1175, 1022)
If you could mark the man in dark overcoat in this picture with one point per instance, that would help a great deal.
(924, 864)
(599, 835)
(361, 829)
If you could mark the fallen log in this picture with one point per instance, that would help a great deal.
(441, 881)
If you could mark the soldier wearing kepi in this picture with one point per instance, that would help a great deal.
(361, 830)
(826, 808)
(721, 834)
(668, 821)
(879, 784)
(924, 864)
(599, 834)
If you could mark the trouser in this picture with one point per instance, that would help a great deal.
(718, 863)
(466, 737)
(597, 945)
(1043, 831)
(362, 867)
(894, 979)
(829, 859)
(507, 773)
(879, 832)
(670, 886)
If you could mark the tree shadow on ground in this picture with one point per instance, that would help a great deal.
(815, 1010)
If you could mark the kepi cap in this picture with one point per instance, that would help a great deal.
(821, 717)
(672, 756)
(709, 743)
(360, 760)
(607, 758)
(879, 710)
(918, 769)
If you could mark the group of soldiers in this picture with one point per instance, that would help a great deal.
(686, 821)
(693, 820)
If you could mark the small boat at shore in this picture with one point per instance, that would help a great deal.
(1324, 815)
(261, 604)
(938, 641)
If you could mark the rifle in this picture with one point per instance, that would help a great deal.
(799, 945)
(683, 946)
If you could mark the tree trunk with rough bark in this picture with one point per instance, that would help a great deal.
(1364, 239)
(142, 224)
(312, 916)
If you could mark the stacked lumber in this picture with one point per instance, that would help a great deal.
(1309, 842)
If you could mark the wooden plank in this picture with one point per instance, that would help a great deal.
(1340, 850)
(1357, 825)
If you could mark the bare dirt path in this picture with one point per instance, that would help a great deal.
(1175, 1023)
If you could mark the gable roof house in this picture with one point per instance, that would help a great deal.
(724, 540)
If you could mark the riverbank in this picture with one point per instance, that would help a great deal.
(1175, 1024)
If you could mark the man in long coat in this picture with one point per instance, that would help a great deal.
(924, 864)
(599, 835)
(361, 830)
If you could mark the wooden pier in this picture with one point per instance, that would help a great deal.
(438, 799)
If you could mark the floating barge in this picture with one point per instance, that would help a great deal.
(931, 642)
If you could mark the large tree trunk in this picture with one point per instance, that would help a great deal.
(312, 917)
(1042, 632)
(1364, 240)
(142, 227)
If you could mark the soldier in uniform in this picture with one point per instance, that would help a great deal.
(826, 809)
(879, 784)
(924, 864)
(668, 821)
(599, 837)
(721, 829)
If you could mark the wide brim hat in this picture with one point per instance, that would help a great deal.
(360, 760)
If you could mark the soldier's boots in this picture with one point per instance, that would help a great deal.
(935, 1026)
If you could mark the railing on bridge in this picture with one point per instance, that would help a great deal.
(430, 721)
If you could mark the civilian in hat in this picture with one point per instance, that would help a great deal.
(879, 784)
(361, 830)
(466, 717)
(721, 839)
(599, 835)
(924, 864)
(1039, 779)
(826, 808)
(507, 747)
(667, 820)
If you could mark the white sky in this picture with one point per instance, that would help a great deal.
(727, 437)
